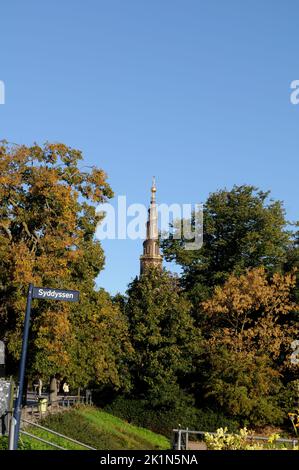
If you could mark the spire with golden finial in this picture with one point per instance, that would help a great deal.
(151, 253)
(153, 190)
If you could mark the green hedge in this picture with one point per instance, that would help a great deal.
(140, 413)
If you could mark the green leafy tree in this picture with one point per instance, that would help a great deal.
(165, 341)
(95, 343)
(242, 229)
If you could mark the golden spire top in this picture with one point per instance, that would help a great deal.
(154, 189)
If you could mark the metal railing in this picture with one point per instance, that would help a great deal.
(55, 433)
(42, 440)
(181, 438)
(34, 408)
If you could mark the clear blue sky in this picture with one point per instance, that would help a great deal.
(199, 88)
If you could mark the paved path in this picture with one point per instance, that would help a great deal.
(197, 445)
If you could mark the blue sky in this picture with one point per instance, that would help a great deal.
(195, 92)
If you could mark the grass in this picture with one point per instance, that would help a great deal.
(96, 428)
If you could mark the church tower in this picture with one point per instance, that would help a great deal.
(151, 252)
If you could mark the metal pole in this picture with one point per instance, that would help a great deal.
(179, 439)
(11, 436)
(18, 406)
(10, 404)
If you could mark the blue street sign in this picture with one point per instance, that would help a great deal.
(47, 293)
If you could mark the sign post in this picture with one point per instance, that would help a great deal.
(17, 411)
(2, 359)
(33, 293)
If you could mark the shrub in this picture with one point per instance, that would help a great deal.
(3, 443)
(163, 421)
(22, 445)
(240, 441)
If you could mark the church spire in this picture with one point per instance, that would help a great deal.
(153, 190)
(151, 252)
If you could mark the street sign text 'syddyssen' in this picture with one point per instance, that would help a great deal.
(55, 294)
(44, 293)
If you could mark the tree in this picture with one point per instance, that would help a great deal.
(163, 336)
(251, 325)
(47, 224)
(292, 260)
(101, 344)
(241, 229)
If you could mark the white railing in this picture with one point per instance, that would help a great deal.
(55, 433)
(181, 438)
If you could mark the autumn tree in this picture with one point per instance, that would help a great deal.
(47, 224)
(242, 229)
(251, 323)
(165, 341)
(292, 259)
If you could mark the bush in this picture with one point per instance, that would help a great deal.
(163, 421)
(240, 441)
(22, 445)
(3, 443)
(210, 420)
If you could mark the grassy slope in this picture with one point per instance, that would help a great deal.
(97, 429)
